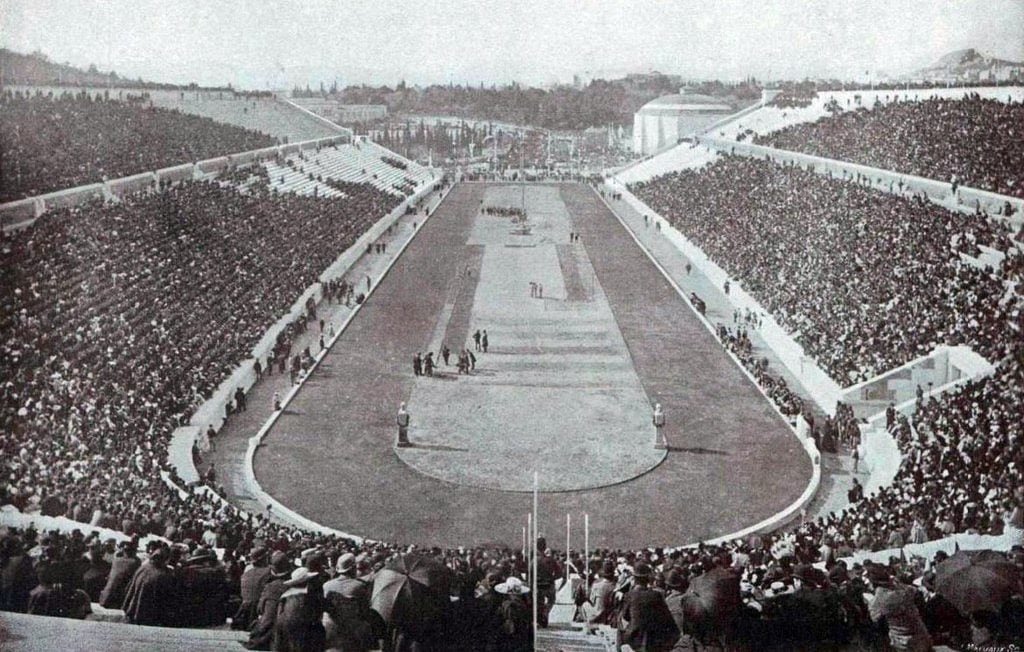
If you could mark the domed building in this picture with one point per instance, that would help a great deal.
(664, 121)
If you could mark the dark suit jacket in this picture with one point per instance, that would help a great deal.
(651, 627)
(121, 572)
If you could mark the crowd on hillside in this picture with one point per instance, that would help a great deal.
(51, 142)
(971, 142)
(866, 280)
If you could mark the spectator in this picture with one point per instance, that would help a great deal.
(254, 579)
(261, 636)
(151, 596)
(650, 626)
(896, 606)
(349, 626)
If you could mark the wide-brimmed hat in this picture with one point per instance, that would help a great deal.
(300, 577)
(280, 565)
(642, 571)
(512, 586)
(675, 579)
(259, 555)
(777, 588)
(202, 554)
(346, 563)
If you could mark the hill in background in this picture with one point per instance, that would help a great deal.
(971, 66)
(37, 69)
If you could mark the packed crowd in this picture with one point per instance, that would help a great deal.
(105, 354)
(52, 142)
(798, 98)
(119, 320)
(866, 280)
(972, 142)
(288, 591)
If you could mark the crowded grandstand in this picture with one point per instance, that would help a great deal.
(179, 264)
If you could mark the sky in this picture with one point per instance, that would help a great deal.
(282, 43)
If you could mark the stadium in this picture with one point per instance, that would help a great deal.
(438, 367)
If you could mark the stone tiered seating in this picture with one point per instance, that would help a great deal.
(769, 118)
(680, 157)
(356, 163)
(268, 115)
(31, 633)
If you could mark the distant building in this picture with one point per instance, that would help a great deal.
(666, 120)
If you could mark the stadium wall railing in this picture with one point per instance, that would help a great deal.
(23, 212)
(938, 191)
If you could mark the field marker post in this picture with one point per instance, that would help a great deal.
(586, 552)
(533, 547)
(568, 522)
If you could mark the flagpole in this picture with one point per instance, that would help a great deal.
(568, 526)
(529, 533)
(586, 553)
(533, 546)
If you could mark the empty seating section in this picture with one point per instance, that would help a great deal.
(309, 172)
(264, 114)
(680, 157)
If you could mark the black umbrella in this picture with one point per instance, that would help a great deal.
(976, 581)
(411, 593)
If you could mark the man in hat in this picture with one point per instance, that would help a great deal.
(254, 578)
(262, 633)
(676, 584)
(96, 571)
(150, 598)
(602, 596)
(650, 627)
(300, 609)
(349, 625)
(203, 590)
(896, 606)
(548, 571)
(123, 568)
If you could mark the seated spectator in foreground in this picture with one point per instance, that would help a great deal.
(261, 636)
(151, 596)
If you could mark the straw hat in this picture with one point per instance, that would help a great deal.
(512, 586)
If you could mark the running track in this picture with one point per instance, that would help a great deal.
(732, 461)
